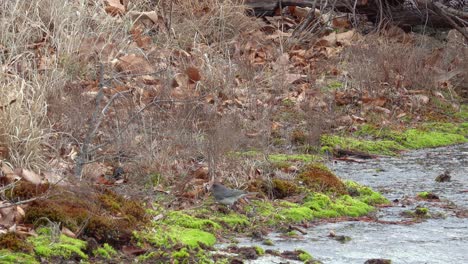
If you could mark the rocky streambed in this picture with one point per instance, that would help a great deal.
(414, 229)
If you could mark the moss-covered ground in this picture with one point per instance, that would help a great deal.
(375, 140)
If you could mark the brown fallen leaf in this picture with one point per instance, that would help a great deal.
(7, 215)
(114, 8)
(132, 250)
(133, 64)
(68, 232)
(29, 176)
(193, 74)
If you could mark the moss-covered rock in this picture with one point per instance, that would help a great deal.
(106, 216)
(365, 194)
(283, 188)
(318, 178)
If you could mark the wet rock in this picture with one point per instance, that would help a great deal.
(236, 261)
(444, 177)
(342, 239)
(268, 242)
(428, 196)
(378, 261)
(244, 252)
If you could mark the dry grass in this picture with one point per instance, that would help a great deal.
(386, 67)
(40, 41)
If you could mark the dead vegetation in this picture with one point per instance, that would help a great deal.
(174, 92)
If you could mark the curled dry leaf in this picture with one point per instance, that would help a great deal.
(29, 176)
(133, 64)
(420, 99)
(201, 172)
(193, 74)
(358, 119)
(97, 47)
(114, 7)
(5, 169)
(68, 232)
(19, 214)
(7, 215)
(93, 171)
(144, 17)
(380, 101)
(341, 22)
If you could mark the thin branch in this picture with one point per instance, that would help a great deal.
(93, 125)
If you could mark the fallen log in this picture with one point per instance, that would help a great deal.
(426, 12)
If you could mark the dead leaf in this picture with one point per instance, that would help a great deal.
(180, 80)
(68, 232)
(144, 17)
(200, 173)
(420, 99)
(7, 215)
(133, 64)
(114, 8)
(358, 119)
(132, 250)
(291, 78)
(381, 110)
(93, 171)
(193, 74)
(380, 101)
(341, 22)
(344, 39)
(96, 48)
(142, 40)
(19, 214)
(29, 176)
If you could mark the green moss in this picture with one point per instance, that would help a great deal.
(45, 245)
(232, 220)
(318, 178)
(185, 220)
(463, 113)
(260, 251)
(181, 254)
(283, 188)
(334, 85)
(14, 242)
(306, 158)
(148, 256)
(296, 214)
(372, 139)
(106, 251)
(416, 139)
(281, 164)
(323, 207)
(304, 256)
(288, 102)
(423, 195)
(422, 211)
(386, 147)
(268, 242)
(168, 236)
(8, 257)
(261, 208)
(365, 194)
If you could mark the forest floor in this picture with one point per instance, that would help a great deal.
(117, 118)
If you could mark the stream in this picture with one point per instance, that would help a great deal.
(400, 179)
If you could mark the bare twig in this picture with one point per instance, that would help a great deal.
(93, 126)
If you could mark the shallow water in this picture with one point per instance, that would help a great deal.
(443, 240)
